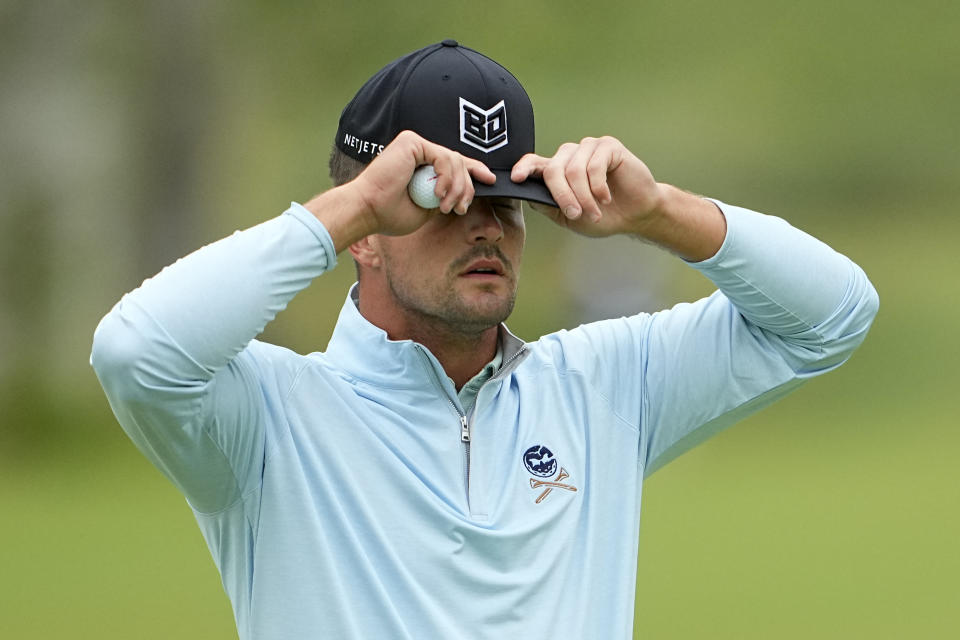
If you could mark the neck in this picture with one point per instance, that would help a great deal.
(461, 356)
(461, 351)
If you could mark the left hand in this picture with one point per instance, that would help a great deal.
(601, 188)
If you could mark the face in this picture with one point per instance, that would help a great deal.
(457, 271)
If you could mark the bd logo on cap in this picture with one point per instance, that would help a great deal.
(483, 129)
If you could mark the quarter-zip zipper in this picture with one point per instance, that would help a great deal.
(503, 365)
(465, 439)
(464, 424)
(464, 421)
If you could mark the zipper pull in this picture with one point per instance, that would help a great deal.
(464, 429)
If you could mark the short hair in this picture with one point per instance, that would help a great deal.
(343, 168)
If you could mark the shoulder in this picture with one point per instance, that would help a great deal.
(283, 366)
(581, 347)
(271, 356)
(273, 365)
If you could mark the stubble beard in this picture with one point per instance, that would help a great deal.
(442, 306)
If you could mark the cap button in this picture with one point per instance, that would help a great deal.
(449, 42)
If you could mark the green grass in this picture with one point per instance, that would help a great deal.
(101, 546)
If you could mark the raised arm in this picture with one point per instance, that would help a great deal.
(603, 189)
(173, 355)
(168, 354)
(788, 307)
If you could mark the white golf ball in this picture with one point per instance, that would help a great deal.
(421, 187)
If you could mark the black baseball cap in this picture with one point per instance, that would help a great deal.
(454, 97)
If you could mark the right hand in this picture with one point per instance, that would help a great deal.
(382, 186)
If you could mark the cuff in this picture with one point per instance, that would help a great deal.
(316, 227)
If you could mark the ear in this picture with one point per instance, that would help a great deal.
(367, 252)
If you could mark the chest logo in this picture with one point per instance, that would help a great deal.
(540, 462)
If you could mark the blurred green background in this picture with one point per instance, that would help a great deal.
(132, 133)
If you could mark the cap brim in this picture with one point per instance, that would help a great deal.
(531, 189)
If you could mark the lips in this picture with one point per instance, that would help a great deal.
(483, 267)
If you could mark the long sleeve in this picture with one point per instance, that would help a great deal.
(788, 308)
(173, 354)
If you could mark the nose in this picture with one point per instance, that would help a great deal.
(482, 222)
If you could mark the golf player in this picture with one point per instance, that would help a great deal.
(430, 475)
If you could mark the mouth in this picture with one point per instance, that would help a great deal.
(481, 269)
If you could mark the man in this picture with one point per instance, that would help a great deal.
(430, 475)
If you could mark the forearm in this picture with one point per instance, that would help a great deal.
(780, 278)
(792, 285)
(344, 214)
(198, 313)
(684, 224)
(167, 354)
(789, 308)
(376, 201)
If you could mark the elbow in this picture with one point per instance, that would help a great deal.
(871, 306)
(135, 360)
(872, 301)
(840, 336)
(860, 317)
(117, 350)
(127, 361)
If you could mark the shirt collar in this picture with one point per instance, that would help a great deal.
(365, 352)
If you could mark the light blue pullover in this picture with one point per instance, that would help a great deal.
(337, 492)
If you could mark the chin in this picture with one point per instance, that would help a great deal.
(488, 309)
(468, 309)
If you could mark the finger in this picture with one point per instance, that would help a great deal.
(466, 196)
(473, 170)
(444, 189)
(529, 165)
(448, 165)
(575, 172)
(554, 176)
(479, 171)
(455, 176)
(598, 168)
(459, 184)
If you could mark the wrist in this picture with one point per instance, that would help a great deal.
(345, 214)
(683, 223)
(659, 207)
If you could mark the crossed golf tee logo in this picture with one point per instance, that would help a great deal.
(540, 462)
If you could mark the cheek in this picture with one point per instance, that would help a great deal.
(397, 263)
(406, 254)
(516, 236)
